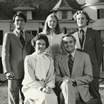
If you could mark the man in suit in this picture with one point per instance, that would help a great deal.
(92, 45)
(14, 50)
(73, 74)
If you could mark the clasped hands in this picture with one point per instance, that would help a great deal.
(46, 90)
(70, 80)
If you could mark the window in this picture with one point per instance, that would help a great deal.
(64, 15)
(100, 13)
(1, 37)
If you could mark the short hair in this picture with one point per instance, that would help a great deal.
(66, 35)
(46, 28)
(20, 15)
(81, 12)
(38, 37)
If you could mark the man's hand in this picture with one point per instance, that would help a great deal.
(65, 78)
(72, 81)
(10, 75)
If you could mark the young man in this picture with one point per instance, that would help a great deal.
(16, 45)
(91, 44)
(73, 73)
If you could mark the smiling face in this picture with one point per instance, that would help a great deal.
(19, 23)
(40, 46)
(52, 22)
(81, 20)
(69, 44)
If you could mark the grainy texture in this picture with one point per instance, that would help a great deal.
(4, 94)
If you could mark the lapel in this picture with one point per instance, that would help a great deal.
(16, 39)
(64, 62)
(26, 37)
(76, 61)
(88, 36)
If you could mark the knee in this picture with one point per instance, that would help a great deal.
(64, 84)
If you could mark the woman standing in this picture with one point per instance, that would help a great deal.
(39, 78)
(53, 32)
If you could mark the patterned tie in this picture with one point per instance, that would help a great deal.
(70, 63)
(22, 38)
(81, 37)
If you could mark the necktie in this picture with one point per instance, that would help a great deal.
(22, 38)
(70, 63)
(81, 37)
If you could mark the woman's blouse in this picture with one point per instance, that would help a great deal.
(55, 42)
(39, 71)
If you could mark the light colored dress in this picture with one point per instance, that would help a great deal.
(54, 44)
(39, 72)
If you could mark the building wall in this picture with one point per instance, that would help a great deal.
(36, 26)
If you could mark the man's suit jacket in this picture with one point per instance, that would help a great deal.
(94, 47)
(81, 72)
(13, 53)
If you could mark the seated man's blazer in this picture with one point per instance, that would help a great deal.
(81, 72)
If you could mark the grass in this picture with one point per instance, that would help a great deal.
(4, 91)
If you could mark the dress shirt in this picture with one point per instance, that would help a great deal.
(18, 33)
(84, 29)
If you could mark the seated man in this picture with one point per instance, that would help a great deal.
(73, 72)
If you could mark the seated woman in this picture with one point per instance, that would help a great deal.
(39, 77)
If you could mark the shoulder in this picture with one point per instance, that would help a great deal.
(29, 57)
(93, 31)
(8, 34)
(82, 54)
(48, 57)
(60, 56)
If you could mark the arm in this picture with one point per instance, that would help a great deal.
(51, 76)
(29, 74)
(6, 53)
(98, 48)
(57, 71)
(6, 57)
(87, 76)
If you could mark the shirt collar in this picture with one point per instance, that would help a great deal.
(18, 32)
(39, 55)
(73, 53)
(84, 29)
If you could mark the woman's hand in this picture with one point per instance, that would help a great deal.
(47, 90)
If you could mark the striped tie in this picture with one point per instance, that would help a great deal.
(22, 38)
(70, 63)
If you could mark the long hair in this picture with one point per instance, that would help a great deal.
(46, 28)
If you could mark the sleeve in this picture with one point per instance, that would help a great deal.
(51, 75)
(29, 75)
(99, 48)
(87, 76)
(6, 53)
(58, 78)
